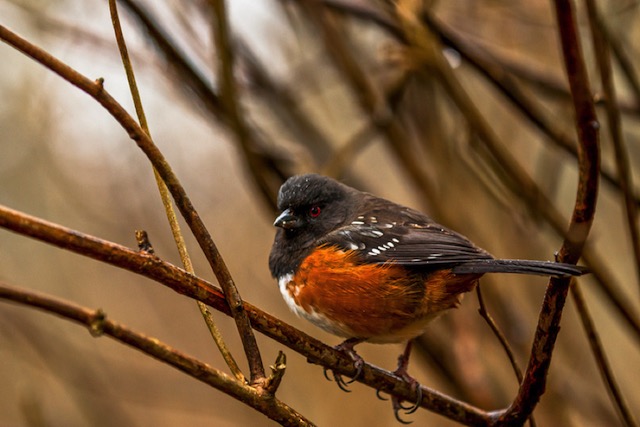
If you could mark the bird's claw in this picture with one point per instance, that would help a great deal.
(339, 380)
(398, 406)
(403, 362)
(358, 363)
(379, 396)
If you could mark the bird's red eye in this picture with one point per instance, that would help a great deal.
(314, 211)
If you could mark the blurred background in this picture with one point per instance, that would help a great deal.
(335, 87)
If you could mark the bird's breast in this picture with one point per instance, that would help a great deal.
(378, 302)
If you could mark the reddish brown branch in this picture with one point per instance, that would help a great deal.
(589, 164)
(98, 324)
(152, 267)
(96, 90)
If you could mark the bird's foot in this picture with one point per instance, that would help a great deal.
(358, 363)
(401, 371)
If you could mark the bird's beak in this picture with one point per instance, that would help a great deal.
(287, 220)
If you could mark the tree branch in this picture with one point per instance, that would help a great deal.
(152, 267)
(98, 324)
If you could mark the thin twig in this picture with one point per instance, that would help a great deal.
(597, 350)
(98, 325)
(166, 198)
(499, 335)
(269, 168)
(96, 90)
(503, 342)
(603, 58)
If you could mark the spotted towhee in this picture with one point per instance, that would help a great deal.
(367, 269)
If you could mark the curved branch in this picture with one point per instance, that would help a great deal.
(98, 325)
(589, 164)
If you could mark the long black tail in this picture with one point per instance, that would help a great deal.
(543, 268)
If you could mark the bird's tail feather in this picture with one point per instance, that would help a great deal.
(543, 268)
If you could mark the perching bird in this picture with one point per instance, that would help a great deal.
(370, 270)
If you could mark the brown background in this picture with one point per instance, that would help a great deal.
(64, 159)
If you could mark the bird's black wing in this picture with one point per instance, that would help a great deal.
(393, 233)
(409, 244)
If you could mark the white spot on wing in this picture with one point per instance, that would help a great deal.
(357, 223)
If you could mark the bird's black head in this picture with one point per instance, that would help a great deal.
(311, 206)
